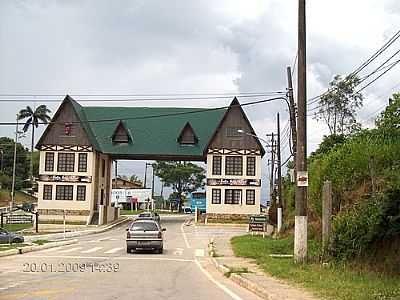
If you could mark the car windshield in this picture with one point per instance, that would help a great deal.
(143, 226)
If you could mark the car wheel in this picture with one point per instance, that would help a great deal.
(128, 250)
(160, 251)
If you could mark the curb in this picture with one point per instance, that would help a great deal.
(245, 283)
(74, 233)
(223, 225)
(27, 249)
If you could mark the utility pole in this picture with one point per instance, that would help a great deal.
(271, 182)
(300, 236)
(292, 114)
(145, 176)
(116, 174)
(14, 165)
(278, 158)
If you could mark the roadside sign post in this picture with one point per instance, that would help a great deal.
(64, 222)
(258, 223)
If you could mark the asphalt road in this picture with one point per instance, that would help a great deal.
(98, 267)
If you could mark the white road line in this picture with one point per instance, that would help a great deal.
(113, 250)
(199, 252)
(220, 285)
(92, 250)
(178, 251)
(111, 258)
(50, 250)
(71, 250)
(184, 236)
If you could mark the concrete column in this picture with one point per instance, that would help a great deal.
(279, 221)
(300, 237)
(326, 212)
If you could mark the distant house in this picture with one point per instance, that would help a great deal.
(121, 183)
(80, 144)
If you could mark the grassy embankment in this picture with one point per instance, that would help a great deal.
(331, 281)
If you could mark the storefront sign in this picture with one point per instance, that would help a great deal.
(65, 178)
(234, 182)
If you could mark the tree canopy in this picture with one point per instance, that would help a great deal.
(337, 108)
(183, 177)
(389, 119)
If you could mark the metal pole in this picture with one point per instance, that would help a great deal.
(152, 185)
(64, 222)
(116, 175)
(145, 176)
(278, 158)
(14, 165)
(300, 240)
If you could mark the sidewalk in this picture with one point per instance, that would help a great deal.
(70, 234)
(254, 279)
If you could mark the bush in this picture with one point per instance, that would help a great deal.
(355, 231)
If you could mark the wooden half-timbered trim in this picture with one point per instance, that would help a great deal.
(66, 148)
(235, 151)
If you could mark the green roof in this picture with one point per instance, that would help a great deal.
(153, 130)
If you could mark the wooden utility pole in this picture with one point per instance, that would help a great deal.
(278, 158)
(271, 182)
(292, 114)
(300, 240)
(326, 213)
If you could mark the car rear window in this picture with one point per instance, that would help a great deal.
(143, 226)
(145, 215)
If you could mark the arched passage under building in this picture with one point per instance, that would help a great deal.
(81, 142)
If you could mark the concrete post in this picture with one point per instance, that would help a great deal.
(279, 221)
(326, 212)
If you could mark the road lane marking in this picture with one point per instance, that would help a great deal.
(184, 236)
(71, 250)
(113, 250)
(178, 251)
(220, 285)
(111, 258)
(92, 250)
(199, 252)
(50, 250)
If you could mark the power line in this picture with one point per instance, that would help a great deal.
(157, 116)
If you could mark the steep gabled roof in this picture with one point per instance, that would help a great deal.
(235, 104)
(187, 130)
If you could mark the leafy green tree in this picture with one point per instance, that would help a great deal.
(337, 108)
(184, 177)
(389, 119)
(7, 157)
(135, 178)
(40, 114)
(328, 143)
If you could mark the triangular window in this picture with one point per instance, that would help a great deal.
(121, 134)
(187, 135)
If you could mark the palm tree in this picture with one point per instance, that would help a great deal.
(40, 114)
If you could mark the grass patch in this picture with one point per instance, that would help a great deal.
(20, 198)
(41, 242)
(17, 227)
(327, 280)
(236, 271)
(13, 246)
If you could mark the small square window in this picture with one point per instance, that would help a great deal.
(216, 165)
(47, 192)
(66, 162)
(81, 193)
(82, 162)
(250, 197)
(234, 165)
(49, 162)
(251, 166)
(216, 196)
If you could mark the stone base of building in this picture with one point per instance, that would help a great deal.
(56, 216)
(227, 218)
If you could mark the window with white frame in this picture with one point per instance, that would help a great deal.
(82, 162)
(81, 193)
(47, 192)
(66, 162)
(216, 165)
(250, 197)
(233, 196)
(49, 162)
(251, 166)
(234, 165)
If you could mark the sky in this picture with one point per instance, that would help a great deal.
(189, 47)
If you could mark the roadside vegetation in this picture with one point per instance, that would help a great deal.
(362, 258)
(17, 227)
(328, 280)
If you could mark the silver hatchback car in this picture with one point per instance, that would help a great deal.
(146, 235)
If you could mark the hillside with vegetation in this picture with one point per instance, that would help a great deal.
(364, 168)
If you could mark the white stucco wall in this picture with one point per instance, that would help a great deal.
(242, 207)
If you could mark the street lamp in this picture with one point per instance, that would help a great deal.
(253, 135)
